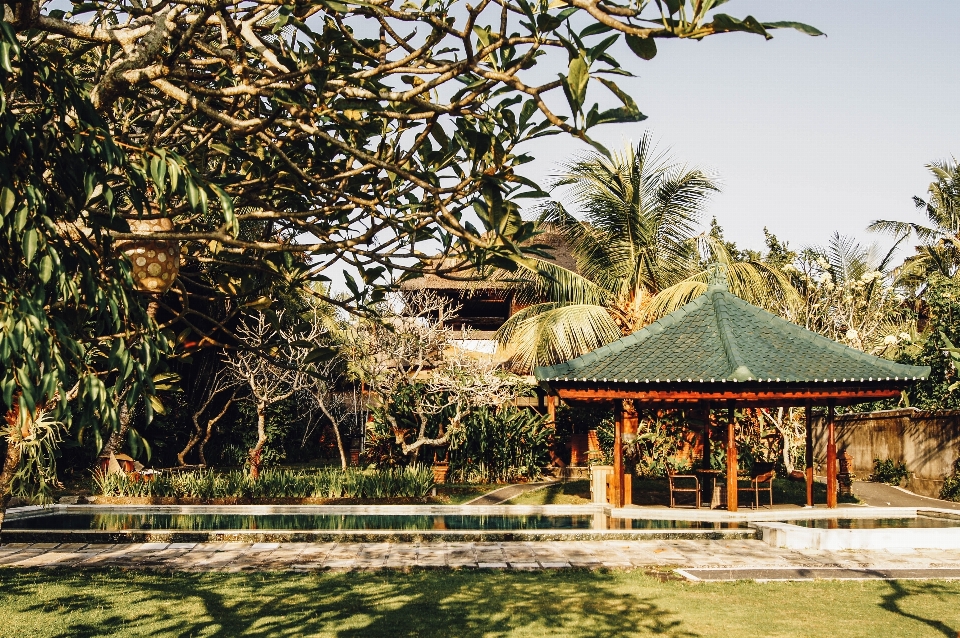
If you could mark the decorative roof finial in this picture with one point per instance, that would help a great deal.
(717, 275)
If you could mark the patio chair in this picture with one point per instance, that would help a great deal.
(761, 480)
(684, 487)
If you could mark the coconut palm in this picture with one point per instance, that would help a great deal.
(940, 240)
(638, 256)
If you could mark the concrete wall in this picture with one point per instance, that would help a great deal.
(927, 442)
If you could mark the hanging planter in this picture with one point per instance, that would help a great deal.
(155, 262)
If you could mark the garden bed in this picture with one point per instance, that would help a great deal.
(174, 500)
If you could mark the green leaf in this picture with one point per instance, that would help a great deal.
(226, 203)
(595, 29)
(673, 5)
(156, 404)
(46, 268)
(30, 245)
(7, 200)
(21, 219)
(799, 26)
(577, 78)
(5, 57)
(723, 23)
(643, 48)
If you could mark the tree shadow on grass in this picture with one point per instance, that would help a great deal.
(902, 590)
(347, 605)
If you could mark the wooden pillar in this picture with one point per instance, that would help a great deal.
(551, 401)
(831, 458)
(731, 462)
(618, 454)
(808, 454)
(707, 452)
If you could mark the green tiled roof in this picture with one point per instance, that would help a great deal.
(720, 337)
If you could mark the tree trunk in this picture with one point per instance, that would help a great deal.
(209, 432)
(10, 464)
(336, 432)
(194, 439)
(115, 442)
(257, 450)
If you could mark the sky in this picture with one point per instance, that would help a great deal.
(808, 135)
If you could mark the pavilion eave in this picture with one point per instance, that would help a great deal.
(742, 394)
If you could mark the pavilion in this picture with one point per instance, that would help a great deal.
(718, 351)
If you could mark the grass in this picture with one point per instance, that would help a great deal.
(457, 493)
(39, 603)
(566, 493)
(656, 492)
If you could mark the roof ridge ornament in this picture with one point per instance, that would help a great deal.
(717, 276)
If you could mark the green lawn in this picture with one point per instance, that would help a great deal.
(656, 492)
(457, 493)
(41, 603)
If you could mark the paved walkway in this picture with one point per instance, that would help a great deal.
(882, 495)
(689, 554)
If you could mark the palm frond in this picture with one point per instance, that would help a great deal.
(550, 333)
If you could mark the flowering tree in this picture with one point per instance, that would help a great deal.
(273, 365)
(847, 293)
(409, 360)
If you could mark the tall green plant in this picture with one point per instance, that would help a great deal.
(500, 445)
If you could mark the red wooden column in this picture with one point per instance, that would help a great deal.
(809, 454)
(618, 454)
(551, 411)
(707, 452)
(831, 458)
(731, 462)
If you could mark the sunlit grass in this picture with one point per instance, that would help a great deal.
(40, 603)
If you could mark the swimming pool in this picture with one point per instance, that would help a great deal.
(324, 523)
(914, 522)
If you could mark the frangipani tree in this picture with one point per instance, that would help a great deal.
(847, 292)
(273, 366)
(411, 362)
(638, 253)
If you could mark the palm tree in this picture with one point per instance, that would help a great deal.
(940, 240)
(638, 256)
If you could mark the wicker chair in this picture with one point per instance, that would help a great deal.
(762, 473)
(675, 488)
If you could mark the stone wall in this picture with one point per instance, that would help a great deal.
(927, 442)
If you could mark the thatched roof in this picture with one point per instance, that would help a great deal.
(469, 281)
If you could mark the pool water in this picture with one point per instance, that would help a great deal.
(115, 521)
(877, 523)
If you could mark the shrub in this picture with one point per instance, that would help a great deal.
(951, 485)
(500, 445)
(888, 471)
(413, 481)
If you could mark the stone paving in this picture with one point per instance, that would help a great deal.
(246, 557)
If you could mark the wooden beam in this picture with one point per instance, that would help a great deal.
(731, 462)
(808, 454)
(831, 459)
(618, 455)
(743, 398)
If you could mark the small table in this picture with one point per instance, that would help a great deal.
(708, 484)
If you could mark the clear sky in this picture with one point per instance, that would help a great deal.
(808, 135)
